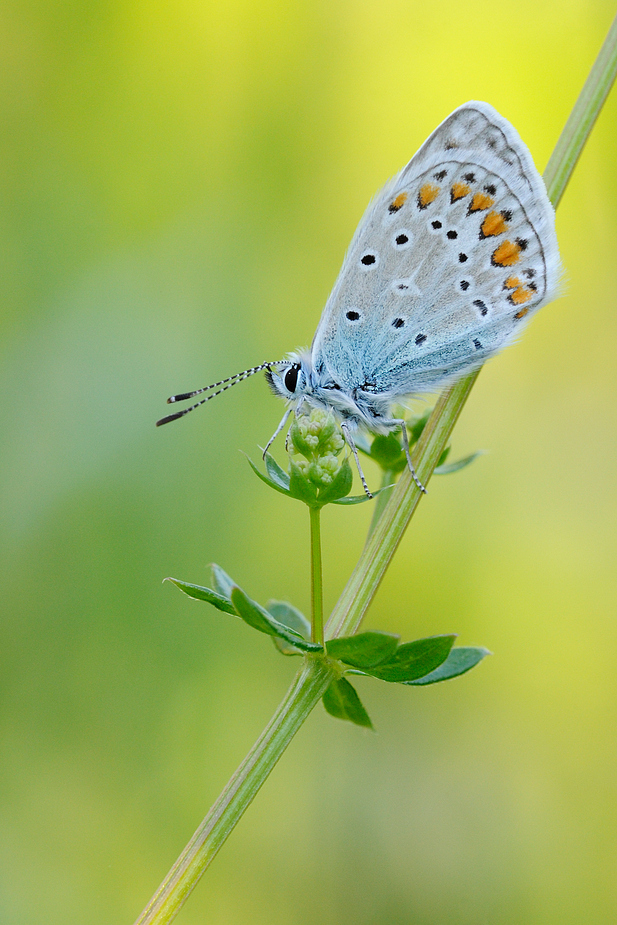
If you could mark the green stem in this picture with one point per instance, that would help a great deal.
(388, 478)
(316, 674)
(316, 577)
(582, 118)
(402, 501)
(305, 691)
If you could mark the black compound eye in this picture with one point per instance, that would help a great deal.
(291, 377)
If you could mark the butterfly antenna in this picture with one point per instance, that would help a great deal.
(220, 386)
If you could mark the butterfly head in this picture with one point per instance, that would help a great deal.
(299, 380)
(292, 380)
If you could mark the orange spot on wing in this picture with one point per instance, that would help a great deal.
(480, 202)
(428, 193)
(520, 296)
(459, 190)
(397, 203)
(512, 282)
(506, 254)
(521, 313)
(493, 224)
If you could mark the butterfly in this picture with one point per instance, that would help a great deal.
(448, 264)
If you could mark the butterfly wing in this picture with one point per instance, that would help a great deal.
(450, 260)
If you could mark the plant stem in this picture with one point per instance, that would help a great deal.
(316, 577)
(582, 118)
(398, 511)
(305, 691)
(388, 478)
(316, 673)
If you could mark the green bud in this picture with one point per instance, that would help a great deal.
(315, 447)
(315, 434)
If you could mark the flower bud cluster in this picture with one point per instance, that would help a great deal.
(315, 447)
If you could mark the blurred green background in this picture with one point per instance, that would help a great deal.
(179, 185)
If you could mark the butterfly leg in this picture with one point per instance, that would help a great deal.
(287, 437)
(403, 427)
(352, 447)
(298, 409)
(276, 433)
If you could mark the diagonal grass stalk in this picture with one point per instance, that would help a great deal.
(316, 673)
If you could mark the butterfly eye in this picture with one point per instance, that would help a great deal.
(291, 377)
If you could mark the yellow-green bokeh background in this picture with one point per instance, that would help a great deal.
(179, 184)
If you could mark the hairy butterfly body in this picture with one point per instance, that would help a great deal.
(449, 262)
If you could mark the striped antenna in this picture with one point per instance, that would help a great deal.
(221, 386)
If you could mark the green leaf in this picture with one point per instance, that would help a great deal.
(301, 487)
(221, 582)
(354, 499)
(342, 701)
(388, 453)
(266, 479)
(444, 455)
(364, 650)
(205, 594)
(457, 464)
(278, 475)
(359, 499)
(259, 618)
(460, 660)
(415, 427)
(284, 647)
(339, 487)
(298, 441)
(414, 659)
(289, 616)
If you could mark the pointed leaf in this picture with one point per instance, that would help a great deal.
(301, 488)
(259, 618)
(205, 594)
(354, 499)
(388, 453)
(284, 647)
(339, 487)
(264, 478)
(278, 475)
(460, 660)
(414, 659)
(444, 455)
(457, 464)
(342, 701)
(221, 582)
(364, 650)
(358, 499)
(290, 616)
(417, 425)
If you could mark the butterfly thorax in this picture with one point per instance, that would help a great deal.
(359, 403)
